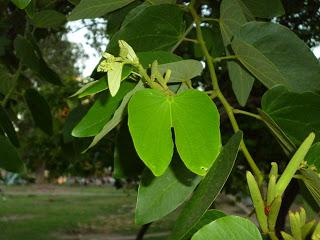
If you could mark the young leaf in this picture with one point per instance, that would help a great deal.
(282, 106)
(96, 8)
(158, 196)
(7, 126)
(48, 19)
(9, 157)
(40, 110)
(271, 44)
(208, 189)
(183, 70)
(22, 4)
(229, 227)
(152, 114)
(169, 29)
(114, 77)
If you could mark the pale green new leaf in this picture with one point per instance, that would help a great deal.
(114, 77)
(22, 4)
(183, 70)
(96, 8)
(158, 196)
(229, 227)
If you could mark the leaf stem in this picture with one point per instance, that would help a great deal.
(223, 100)
(230, 57)
(210, 19)
(238, 111)
(184, 35)
(191, 40)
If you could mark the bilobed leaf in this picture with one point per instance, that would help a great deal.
(169, 29)
(96, 8)
(40, 110)
(22, 4)
(229, 227)
(285, 108)
(152, 114)
(183, 70)
(158, 196)
(270, 46)
(264, 8)
(208, 189)
(313, 156)
(9, 157)
(127, 163)
(7, 127)
(163, 57)
(48, 19)
(210, 216)
(101, 112)
(232, 17)
(118, 115)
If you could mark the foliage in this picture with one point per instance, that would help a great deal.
(162, 75)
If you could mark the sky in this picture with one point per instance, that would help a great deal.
(77, 35)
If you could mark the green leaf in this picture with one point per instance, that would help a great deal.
(313, 156)
(40, 110)
(30, 56)
(152, 114)
(101, 112)
(183, 70)
(100, 85)
(127, 163)
(117, 116)
(9, 158)
(163, 57)
(210, 216)
(48, 19)
(22, 4)
(229, 227)
(7, 127)
(265, 8)
(232, 17)
(6, 80)
(114, 77)
(266, 50)
(285, 108)
(96, 8)
(169, 29)
(208, 189)
(158, 196)
(312, 182)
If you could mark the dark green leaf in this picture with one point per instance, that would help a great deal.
(158, 196)
(73, 119)
(169, 29)
(40, 110)
(266, 50)
(9, 158)
(96, 8)
(48, 19)
(118, 115)
(208, 189)
(264, 8)
(147, 58)
(6, 80)
(101, 112)
(313, 156)
(22, 4)
(210, 216)
(7, 127)
(285, 108)
(152, 114)
(127, 163)
(232, 17)
(229, 227)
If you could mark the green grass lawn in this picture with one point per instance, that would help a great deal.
(55, 213)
